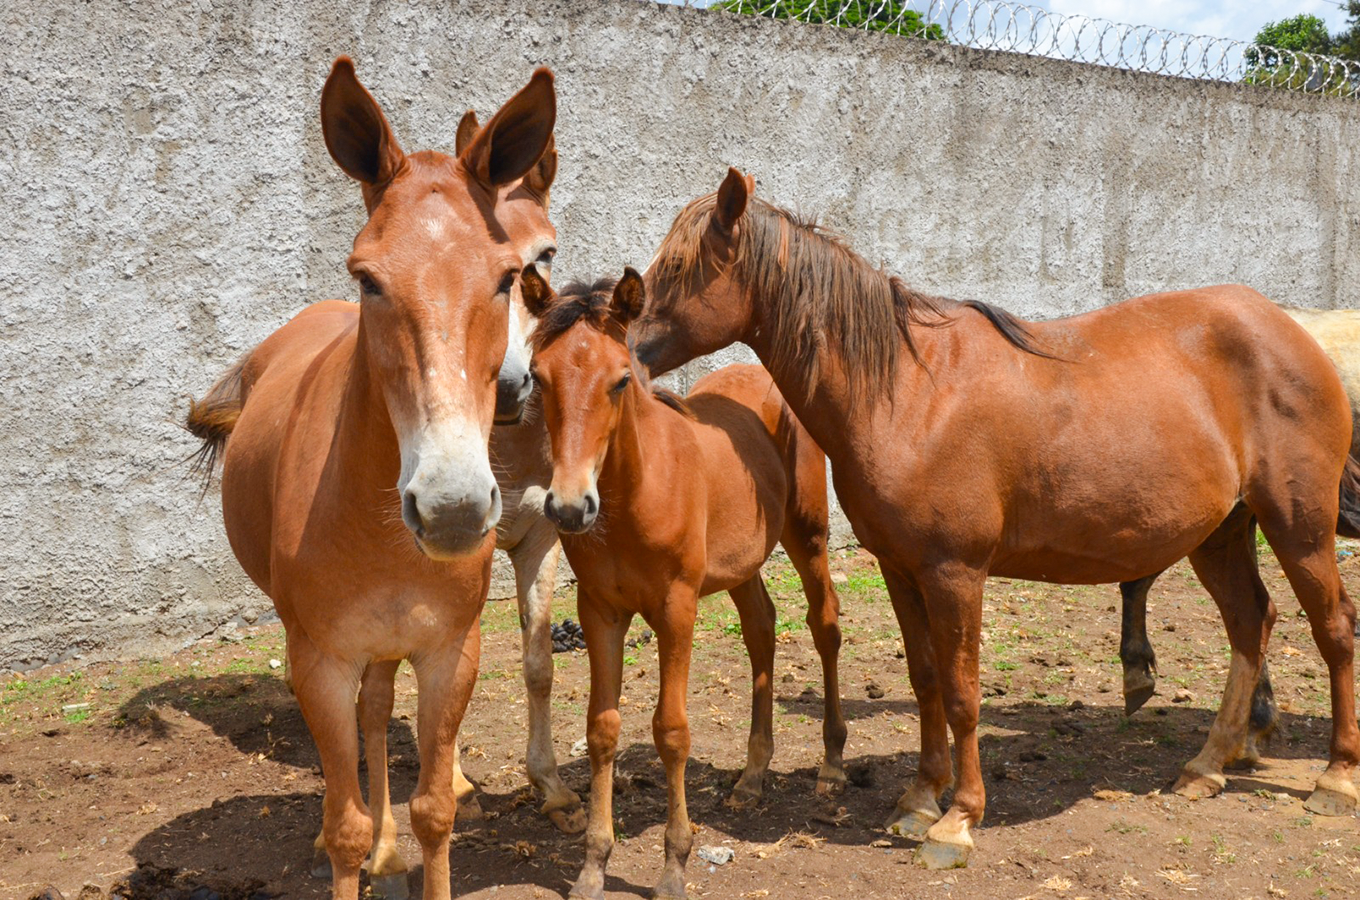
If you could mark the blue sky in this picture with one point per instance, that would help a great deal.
(1239, 19)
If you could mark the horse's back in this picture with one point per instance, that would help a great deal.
(274, 376)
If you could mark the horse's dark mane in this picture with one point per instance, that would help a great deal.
(590, 301)
(818, 292)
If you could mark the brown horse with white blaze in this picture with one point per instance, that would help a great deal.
(660, 502)
(356, 486)
(964, 442)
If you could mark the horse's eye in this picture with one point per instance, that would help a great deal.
(367, 286)
(507, 282)
(545, 259)
(623, 383)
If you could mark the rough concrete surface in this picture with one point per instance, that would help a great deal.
(172, 203)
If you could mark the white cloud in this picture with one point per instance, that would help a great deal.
(1239, 19)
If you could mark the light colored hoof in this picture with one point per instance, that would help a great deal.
(913, 824)
(1332, 797)
(830, 787)
(742, 797)
(580, 893)
(393, 887)
(935, 854)
(321, 864)
(569, 820)
(1199, 786)
(469, 809)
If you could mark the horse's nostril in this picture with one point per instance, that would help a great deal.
(524, 382)
(591, 504)
(410, 512)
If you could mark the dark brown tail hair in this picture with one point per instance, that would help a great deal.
(211, 421)
(1348, 518)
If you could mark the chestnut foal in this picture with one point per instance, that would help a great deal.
(686, 498)
(322, 420)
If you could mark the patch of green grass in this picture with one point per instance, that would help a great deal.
(1120, 826)
(1005, 665)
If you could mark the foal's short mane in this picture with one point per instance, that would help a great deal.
(818, 293)
(590, 302)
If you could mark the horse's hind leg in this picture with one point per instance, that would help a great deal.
(535, 562)
(1135, 650)
(1308, 557)
(757, 631)
(919, 806)
(1226, 565)
(1265, 718)
(804, 539)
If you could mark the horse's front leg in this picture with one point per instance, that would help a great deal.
(445, 678)
(670, 730)
(604, 629)
(535, 562)
(325, 688)
(952, 595)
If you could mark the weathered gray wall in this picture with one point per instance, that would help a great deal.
(170, 202)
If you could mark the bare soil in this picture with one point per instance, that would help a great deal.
(198, 768)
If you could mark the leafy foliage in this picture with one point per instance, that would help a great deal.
(1303, 68)
(875, 15)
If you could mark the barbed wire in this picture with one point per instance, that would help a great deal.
(1019, 28)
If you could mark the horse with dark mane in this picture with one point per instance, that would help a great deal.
(1094, 449)
(661, 501)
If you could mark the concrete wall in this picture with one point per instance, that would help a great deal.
(170, 202)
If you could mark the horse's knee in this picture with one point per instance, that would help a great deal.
(432, 817)
(348, 835)
(672, 738)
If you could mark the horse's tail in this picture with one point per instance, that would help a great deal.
(212, 419)
(1348, 518)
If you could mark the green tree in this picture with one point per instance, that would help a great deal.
(1346, 44)
(1307, 38)
(877, 15)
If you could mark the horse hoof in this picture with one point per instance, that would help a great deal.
(1332, 797)
(569, 820)
(1196, 786)
(830, 787)
(393, 887)
(580, 893)
(321, 864)
(1136, 697)
(913, 824)
(943, 855)
(742, 798)
(469, 810)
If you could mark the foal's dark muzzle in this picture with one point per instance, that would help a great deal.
(572, 518)
(511, 398)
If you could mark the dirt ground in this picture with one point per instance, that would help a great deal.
(198, 767)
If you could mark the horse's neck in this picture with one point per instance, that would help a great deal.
(638, 427)
(365, 455)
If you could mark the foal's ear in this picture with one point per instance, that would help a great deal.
(356, 131)
(629, 295)
(517, 136)
(467, 130)
(538, 296)
(733, 195)
(541, 176)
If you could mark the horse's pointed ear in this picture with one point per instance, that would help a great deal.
(467, 130)
(538, 296)
(733, 195)
(356, 131)
(541, 176)
(517, 136)
(629, 295)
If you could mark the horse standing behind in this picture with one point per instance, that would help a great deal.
(660, 502)
(1338, 333)
(1094, 449)
(328, 414)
